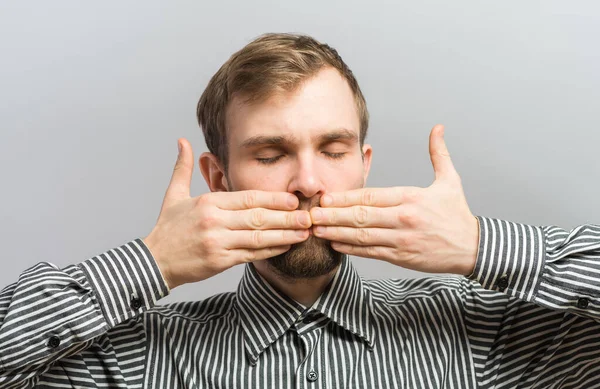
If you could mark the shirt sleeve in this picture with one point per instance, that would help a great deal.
(548, 266)
(52, 313)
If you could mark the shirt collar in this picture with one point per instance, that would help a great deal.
(266, 314)
(348, 303)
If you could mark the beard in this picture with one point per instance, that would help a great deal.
(311, 258)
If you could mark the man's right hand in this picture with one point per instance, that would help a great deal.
(196, 238)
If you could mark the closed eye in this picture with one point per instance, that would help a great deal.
(334, 155)
(270, 160)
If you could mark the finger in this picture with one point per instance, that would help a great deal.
(265, 219)
(248, 199)
(357, 236)
(355, 216)
(260, 254)
(375, 252)
(373, 197)
(440, 157)
(258, 239)
(179, 187)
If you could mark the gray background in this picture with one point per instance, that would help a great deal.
(93, 97)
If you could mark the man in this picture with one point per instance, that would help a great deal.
(285, 123)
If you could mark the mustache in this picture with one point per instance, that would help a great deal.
(305, 204)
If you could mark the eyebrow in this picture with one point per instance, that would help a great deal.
(265, 140)
(339, 134)
(279, 140)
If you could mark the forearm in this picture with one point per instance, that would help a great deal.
(50, 313)
(548, 266)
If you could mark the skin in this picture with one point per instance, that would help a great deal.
(266, 204)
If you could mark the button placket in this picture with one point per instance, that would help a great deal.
(308, 372)
(325, 349)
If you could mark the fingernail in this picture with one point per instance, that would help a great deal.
(304, 219)
(327, 200)
(318, 230)
(317, 214)
(301, 233)
(178, 145)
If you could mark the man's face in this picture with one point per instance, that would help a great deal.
(305, 142)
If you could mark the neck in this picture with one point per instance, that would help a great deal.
(303, 290)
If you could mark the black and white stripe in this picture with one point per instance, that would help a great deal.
(527, 317)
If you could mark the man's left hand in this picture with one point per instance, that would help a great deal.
(425, 229)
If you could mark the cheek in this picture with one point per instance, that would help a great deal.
(342, 176)
(258, 178)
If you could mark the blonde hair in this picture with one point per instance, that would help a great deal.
(272, 63)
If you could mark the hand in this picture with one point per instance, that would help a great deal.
(196, 238)
(425, 229)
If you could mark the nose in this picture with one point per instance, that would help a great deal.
(306, 181)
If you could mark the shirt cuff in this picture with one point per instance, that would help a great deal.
(127, 281)
(511, 257)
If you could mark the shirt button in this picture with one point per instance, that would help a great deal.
(502, 282)
(309, 318)
(312, 375)
(53, 342)
(583, 303)
(135, 303)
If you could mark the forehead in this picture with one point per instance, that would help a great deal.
(320, 104)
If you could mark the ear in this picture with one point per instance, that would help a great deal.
(367, 155)
(213, 172)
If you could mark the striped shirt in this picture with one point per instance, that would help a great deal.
(528, 317)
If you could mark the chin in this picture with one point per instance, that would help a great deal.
(309, 259)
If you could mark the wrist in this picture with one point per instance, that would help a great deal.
(163, 266)
(473, 252)
(468, 258)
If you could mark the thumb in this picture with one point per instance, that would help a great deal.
(440, 157)
(181, 180)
